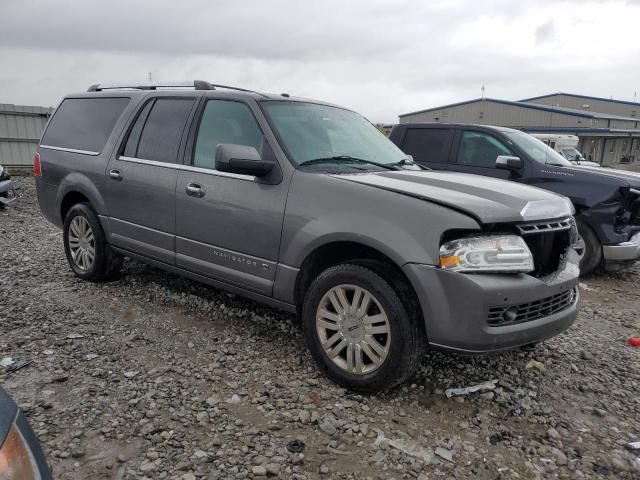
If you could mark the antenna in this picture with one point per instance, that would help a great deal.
(482, 90)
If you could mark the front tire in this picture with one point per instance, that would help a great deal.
(359, 331)
(86, 247)
(589, 249)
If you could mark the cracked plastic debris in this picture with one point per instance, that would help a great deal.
(481, 387)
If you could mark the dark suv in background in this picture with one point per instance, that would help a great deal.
(308, 207)
(607, 201)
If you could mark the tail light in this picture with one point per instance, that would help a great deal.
(37, 167)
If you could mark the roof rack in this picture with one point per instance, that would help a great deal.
(196, 84)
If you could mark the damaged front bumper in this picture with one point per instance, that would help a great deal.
(622, 254)
(7, 192)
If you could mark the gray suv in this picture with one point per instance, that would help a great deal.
(305, 206)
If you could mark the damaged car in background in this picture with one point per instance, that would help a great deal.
(7, 190)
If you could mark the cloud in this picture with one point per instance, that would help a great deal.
(380, 57)
(545, 32)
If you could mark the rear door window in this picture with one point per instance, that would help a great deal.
(84, 124)
(427, 145)
(158, 130)
(478, 149)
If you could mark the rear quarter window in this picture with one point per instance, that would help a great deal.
(84, 123)
(426, 144)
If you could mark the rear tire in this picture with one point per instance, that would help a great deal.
(592, 249)
(85, 245)
(375, 344)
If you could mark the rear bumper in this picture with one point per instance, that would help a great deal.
(623, 252)
(457, 307)
(7, 192)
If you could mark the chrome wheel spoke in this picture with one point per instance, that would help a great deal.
(335, 351)
(373, 343)
(327, 315)
(327, 325)
(377, 330)
(359, 360)
(365, 304)
(329, 342)
(335, 301)
(351, 357)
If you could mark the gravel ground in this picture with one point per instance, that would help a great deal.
(153, 376)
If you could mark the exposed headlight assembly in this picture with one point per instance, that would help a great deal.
(487, 253)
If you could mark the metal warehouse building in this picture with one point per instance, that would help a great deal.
(20, 129)
(609, 130)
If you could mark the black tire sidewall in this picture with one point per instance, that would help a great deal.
(97, 270)
(397, 365)
(592, 258)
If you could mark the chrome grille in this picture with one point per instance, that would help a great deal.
(526, 312)
(564, 224)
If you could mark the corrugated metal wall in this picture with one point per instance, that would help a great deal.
(488, 112)
(20, 129)
(590, 105)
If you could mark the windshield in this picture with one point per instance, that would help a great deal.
(330, 134)
(571, 154)
(537, 150)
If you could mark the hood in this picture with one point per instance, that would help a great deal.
(488, 200)
(631, 179)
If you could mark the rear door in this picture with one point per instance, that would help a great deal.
(141, 179)
(476, 151)
(230, 229)
(428, 146)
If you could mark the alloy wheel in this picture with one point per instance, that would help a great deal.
(353, 329)
(82, 244)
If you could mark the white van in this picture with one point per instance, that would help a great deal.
(567, 146)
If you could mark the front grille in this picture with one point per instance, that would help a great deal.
(548, 242)
(526, 312)
(553, 226)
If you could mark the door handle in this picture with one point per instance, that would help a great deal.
(115, 174)
(194, 190)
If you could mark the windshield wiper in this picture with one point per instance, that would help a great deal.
(349, 159)
(407, 161)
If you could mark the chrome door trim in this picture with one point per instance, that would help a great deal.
(217, 173)
(148, 162)
(188, 168)
(70, 150)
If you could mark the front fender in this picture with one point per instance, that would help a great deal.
(321, 210)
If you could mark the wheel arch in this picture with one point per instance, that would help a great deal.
(75, 188)
(350, 251)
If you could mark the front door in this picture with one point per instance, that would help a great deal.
(477, 152)
(141, 180)
(228, 225)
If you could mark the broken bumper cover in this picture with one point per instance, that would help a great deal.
(623, 252)
(476, 313)
(7, 192)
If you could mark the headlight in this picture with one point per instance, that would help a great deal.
(16, 459)
(489, 253)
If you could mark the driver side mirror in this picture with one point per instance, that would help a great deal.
(507, 162)
(241, 159)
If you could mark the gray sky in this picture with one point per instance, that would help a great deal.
(380, 58)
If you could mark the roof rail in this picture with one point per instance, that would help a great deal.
(196, 84)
